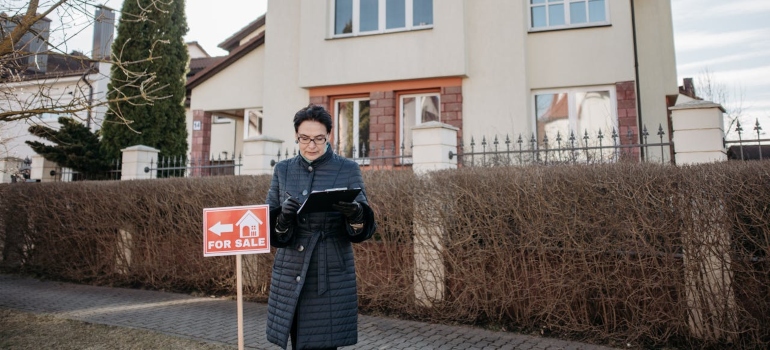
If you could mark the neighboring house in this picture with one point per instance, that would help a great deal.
(199, 60)
(65, 78)
(493, 67)
(51, 77)
(228, 96)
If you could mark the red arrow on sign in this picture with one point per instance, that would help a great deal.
(237, 230)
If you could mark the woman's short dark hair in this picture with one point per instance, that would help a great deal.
(315, 113)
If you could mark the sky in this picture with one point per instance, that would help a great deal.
(728, 39)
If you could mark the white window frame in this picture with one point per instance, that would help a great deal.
(381, 20)
(356, 119)
(567, 24)
(417, 112)
(572, 110)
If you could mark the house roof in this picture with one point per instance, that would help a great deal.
(233, 41)
(58, 65)
(233, 57)
(199, 64)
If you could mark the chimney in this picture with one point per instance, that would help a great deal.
(33, 46)
(687, 88)
(104, 31)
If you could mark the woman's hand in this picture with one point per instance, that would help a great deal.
(288, 214)
(352, 211)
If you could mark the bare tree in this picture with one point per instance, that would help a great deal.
(28, 89)
(709, 88)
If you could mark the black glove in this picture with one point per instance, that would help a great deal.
(352, 211)
(288, 214)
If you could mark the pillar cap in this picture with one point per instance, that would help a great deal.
(262, 138)
(697, 104)
(140, 148)
(434, 124)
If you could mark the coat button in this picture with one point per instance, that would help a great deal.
(304, 193)
(299, 279)
(300, 248)
(303, 220)
(310, 168)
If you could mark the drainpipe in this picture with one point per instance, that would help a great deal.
(636, 73)
(84, 78)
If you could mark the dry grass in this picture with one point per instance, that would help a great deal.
(21, 330)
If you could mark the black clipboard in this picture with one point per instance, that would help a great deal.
(321, 201)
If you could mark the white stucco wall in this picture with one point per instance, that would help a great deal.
(239, 85)
(283, 94)
(428, 53)
(27, 95)
(226, 136)
(657, 59)
(495, 90)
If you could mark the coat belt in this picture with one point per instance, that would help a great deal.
(318, 242)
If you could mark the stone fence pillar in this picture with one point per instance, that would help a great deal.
(258, 153)
(135, 160)
(698, 132)
(43, 169)
(712, 311)
(433, 142)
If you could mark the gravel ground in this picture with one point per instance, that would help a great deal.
(21, 330)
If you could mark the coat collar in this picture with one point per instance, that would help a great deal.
(320, 160)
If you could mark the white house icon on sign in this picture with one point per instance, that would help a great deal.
(250, 223)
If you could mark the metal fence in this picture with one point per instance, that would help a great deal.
(748, 147)
(568, 148)
(195, 167)
(64, 174)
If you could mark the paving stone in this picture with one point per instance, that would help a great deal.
(214, 319)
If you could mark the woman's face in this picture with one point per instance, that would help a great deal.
(312, 139)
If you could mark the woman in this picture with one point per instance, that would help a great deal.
(313, 295)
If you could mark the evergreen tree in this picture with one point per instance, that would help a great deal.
(155, 43)
(75, 147)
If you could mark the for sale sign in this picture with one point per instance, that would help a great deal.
(236, 230)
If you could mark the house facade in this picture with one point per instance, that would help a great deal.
(489, 68)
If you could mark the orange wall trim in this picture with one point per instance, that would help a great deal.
(385, 86)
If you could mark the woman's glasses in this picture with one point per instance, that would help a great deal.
(318, 140)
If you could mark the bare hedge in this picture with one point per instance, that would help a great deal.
(651, 255)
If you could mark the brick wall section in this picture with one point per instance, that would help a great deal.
(321, 101)
(201, 139)
(452, 108)
(627, 116)
(382, 123)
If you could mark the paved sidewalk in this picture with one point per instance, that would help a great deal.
(214, 319)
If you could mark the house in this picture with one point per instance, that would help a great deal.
(492, 67)
(73, 79)
(74, 82)
(227, 96)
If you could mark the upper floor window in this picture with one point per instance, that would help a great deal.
(556, 14)
(415, 110)
(351, 131)
(358, 17)
(560, 114)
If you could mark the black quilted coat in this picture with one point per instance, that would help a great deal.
(313, 274)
